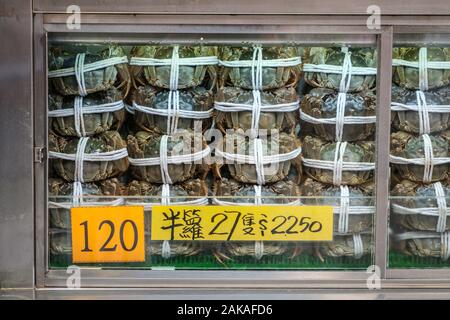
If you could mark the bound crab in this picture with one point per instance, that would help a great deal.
(196, 99)
(144, 145)
(329, 195)
(101, 79)
(408, 146)
(321, 103)
(317, 149)
(93, 123)
(422, 244)
(408, 77)
(92, 170)
(345, 246)
(243, 170)
(284, 121)
(59, 208)
(409, 120)
(188, 75)
(335, 57)
(272, 77)
(413, 195)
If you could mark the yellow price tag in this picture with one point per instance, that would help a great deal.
(107, 234)
(241, 223)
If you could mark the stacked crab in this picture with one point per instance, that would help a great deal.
(171, 103)
(420, 151)
(338, 125)
(86, 151)
(258, 160)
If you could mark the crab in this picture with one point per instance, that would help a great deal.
(92, 170)
(57, 188)
(194, 99)
(159, 76)
(60, 242)
(278, 193)
(282, 121)
(329, 195)
(273, 172)
(321, 103)
(185, 191)
(360, 151)
(415, 195)
(342, 246)
(333, 56)
(408, 77)
(94, 123)
(422, 247)
(116, 76)
(408, 146)
(272, 77)
(409, 121)
(147, 145)
(232, 191)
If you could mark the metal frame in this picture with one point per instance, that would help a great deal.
(300, 20)
(96, 26)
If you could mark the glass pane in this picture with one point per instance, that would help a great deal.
(420, 157)
(216, 124)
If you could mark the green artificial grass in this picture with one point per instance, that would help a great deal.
(240, 263)
(399, 260)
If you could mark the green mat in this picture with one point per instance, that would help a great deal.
(399, 260)
(241, 263)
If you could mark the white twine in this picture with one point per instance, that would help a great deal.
(80, 68)
(256, 108)
(423, 109)
(174, 62)
(346, 71)
(429, 160)
(344, 210)
(164, 167)
(176, 159)
(165, 250)
(78, 112)
(423, 65)
(441, 212)
(358, 246)
(259, 249)
(259, 159)
(172, 113)
(257, 63)
(443, 236)
(80, 157)
(338, 165)
(77, 200)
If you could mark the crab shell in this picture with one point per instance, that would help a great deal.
(333, 56)
(94, 123)
(146, 145)
(408, 146)
(159, 76)
(92, 170)
(274, 172)
(234, 191)
(282, 121)
(321, 103)
(359, 196)
(420, 247)
(60, 242)
(360, 151)
(272, 77)
(408, 77)
(343, 246)
(181, 192)
(116, 76)
(226, 250)
(195, 99)
(409, 121)
(60, 217)
(415, 195)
